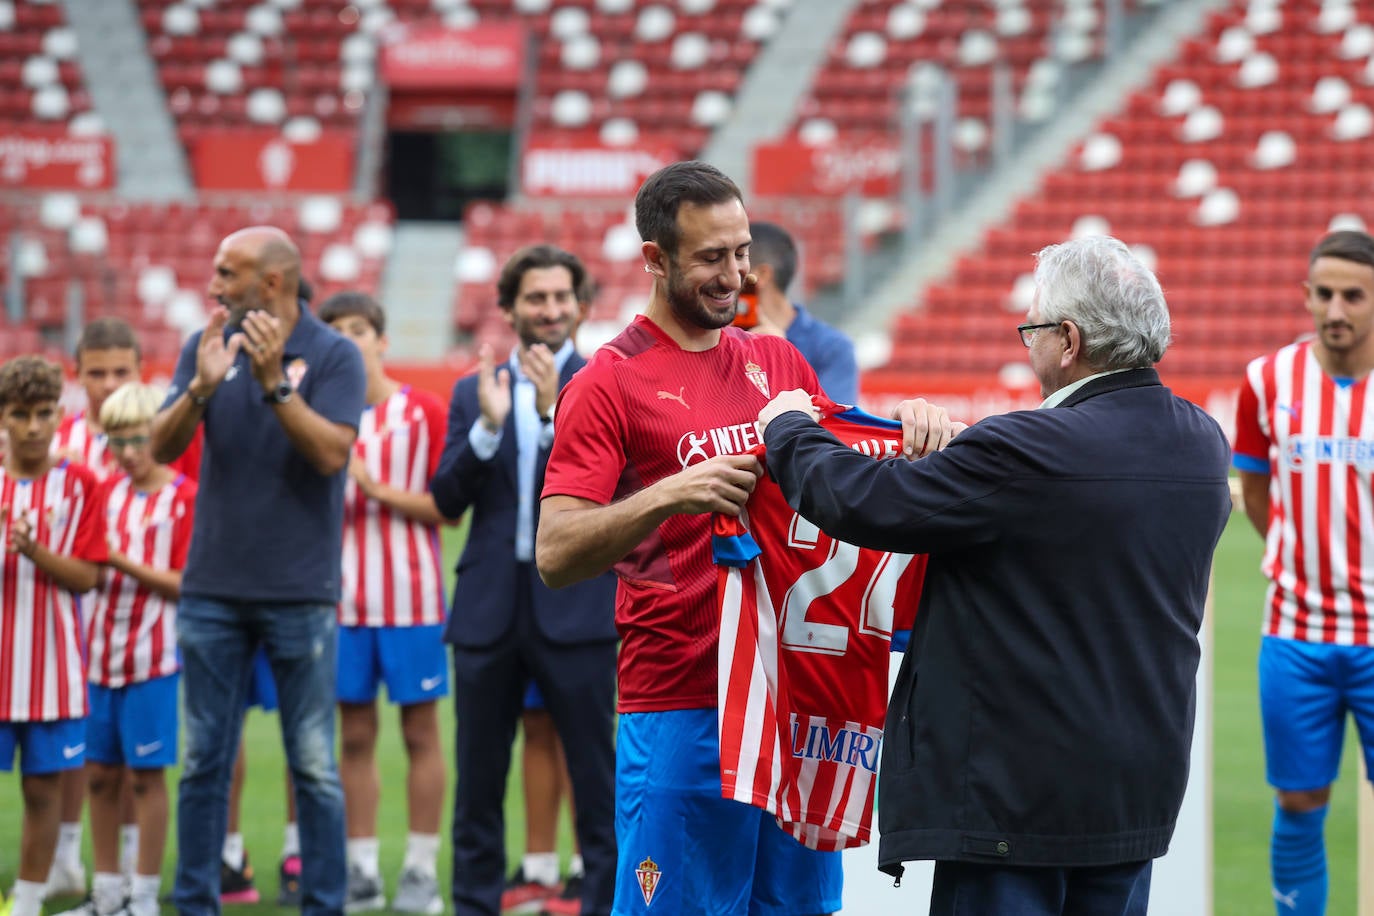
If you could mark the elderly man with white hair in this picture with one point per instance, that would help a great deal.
(1038, 736)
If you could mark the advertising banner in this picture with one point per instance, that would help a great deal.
(266, 161)
(590, 169)
(428, 57)
(792, 168)
(34, 157)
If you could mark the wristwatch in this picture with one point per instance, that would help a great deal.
(547, 417)
(280, 394)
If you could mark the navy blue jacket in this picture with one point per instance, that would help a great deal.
(484, 597)
(1044, 713)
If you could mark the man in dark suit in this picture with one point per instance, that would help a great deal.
(1038, 735)
(506, 627)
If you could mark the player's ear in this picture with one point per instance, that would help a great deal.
(655, 261)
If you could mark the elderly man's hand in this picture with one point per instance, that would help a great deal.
(926, 427)
(796, 399)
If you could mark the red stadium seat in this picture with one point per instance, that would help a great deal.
(1232, 287)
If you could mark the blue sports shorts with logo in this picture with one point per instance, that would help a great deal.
(262, 690)
(1306, 689)
(410, 660)
(44, 747)
(134, 725)
(685, 850)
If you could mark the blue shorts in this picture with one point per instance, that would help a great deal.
(262, 690)
(1305, 691)
(685, 850)
(135, 725)
(411, 660)
(533, 698)
(45, 747)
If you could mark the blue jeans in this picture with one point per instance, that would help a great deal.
(218, 639)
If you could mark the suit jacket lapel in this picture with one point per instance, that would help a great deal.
(575, 362)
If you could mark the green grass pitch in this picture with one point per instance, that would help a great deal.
(1242, 802)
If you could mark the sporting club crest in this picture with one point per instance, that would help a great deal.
(295, 371)
(754, 372)
(648, 876)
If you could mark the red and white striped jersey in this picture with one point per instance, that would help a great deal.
(131, 635)
(1314, 436)
(391, 564)
(42, 665)
(806, 627)
(76, 441)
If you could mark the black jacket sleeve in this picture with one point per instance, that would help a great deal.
(941, 500)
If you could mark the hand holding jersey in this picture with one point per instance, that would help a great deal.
(720, 484)
(926, 427)
(796, 399)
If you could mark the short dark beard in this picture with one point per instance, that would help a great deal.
(687, 306)
(247, 303)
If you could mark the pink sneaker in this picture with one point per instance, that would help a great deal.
(289, 882)
(236, 885)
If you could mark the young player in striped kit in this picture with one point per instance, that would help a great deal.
(131, 639)
(391, 615)
(107, 357)
(54, 542)
(1305, 452)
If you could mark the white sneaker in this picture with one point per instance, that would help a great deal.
(65, 880)
(88, 908)
(364, 892)
(417, 892)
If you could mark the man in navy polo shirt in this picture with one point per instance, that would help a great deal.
(280, 395)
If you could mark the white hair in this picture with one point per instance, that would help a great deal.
(1115, 300)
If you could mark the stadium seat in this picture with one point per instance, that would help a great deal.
(38, 71)
(1224, 187)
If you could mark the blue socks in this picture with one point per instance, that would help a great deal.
(1297, 858)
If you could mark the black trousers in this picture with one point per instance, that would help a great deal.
(966, 889)
(489, 683)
